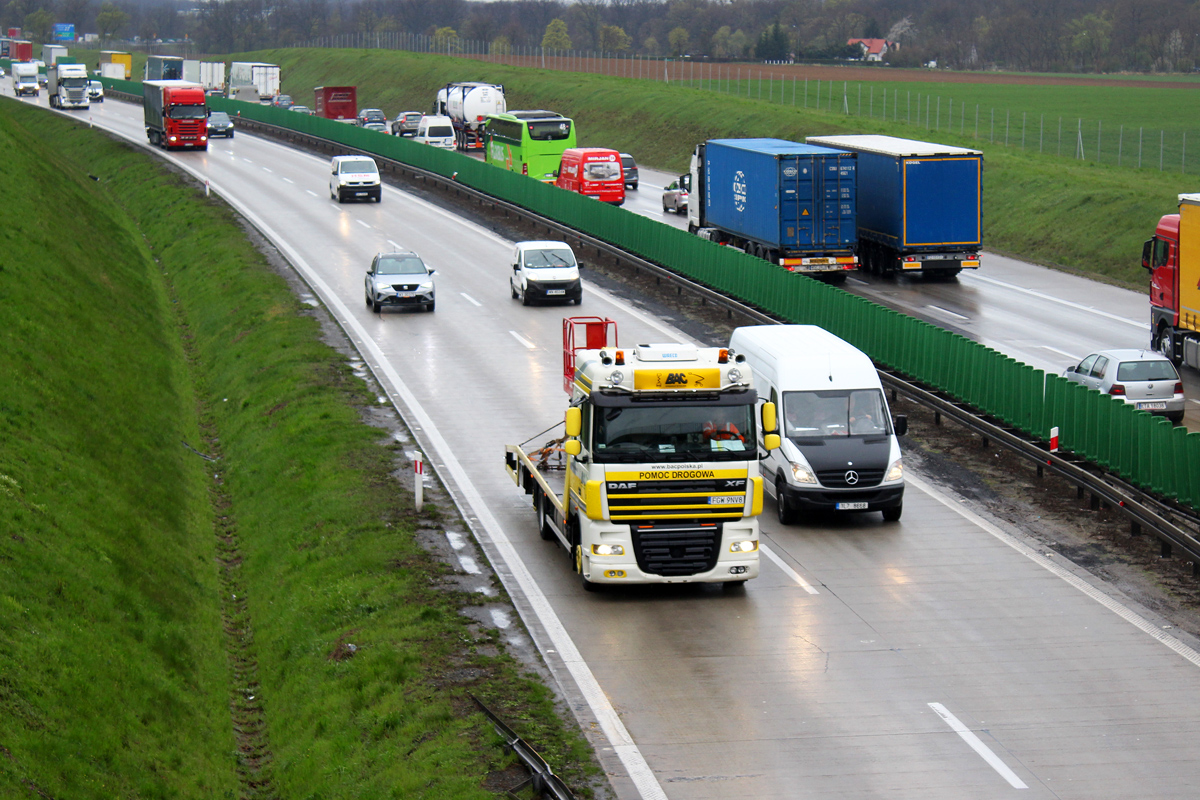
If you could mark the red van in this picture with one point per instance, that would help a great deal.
(593, 171)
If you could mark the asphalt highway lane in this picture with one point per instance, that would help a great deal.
(940, 657)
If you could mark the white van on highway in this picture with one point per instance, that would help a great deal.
(437, 131)
(839, 451)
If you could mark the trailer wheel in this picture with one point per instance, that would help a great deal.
(544, 529)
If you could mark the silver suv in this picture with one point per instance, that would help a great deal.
(354, 177)
(1141, 378)
(399, 279)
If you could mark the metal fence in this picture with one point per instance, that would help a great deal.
(1145, 450)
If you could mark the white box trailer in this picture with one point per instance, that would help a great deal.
(113, 70)
(212, 74)
(52, 52)
(263, 77)
(191, 70)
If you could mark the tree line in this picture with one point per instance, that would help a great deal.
(1025, 35)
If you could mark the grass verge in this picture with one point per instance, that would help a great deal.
(136, 316)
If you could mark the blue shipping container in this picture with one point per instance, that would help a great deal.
(799, 199)
(916, 196)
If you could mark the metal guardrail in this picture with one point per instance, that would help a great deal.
(542, 779)
(1174, 525)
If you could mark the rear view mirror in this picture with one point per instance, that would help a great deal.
(1147, 253)
(901, 424)
(771, 442)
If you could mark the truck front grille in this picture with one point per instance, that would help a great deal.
(683, 499)
(837, 478)
(677, 549)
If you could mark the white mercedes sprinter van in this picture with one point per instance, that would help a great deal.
(839, 451)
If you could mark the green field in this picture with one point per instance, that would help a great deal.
(141, 328)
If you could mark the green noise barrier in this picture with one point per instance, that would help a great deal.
(1145, 450)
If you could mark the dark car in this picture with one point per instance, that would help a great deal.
(631, 170)
(282, 101)
(219, 124)
(366, 115)
(405, 123)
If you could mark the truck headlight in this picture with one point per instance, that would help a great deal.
(802, 474)
(608, 550)
(747, 546)
(895, 471)
(734, 374)
(616, 377)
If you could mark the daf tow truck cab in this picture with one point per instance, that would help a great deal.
(657, 478)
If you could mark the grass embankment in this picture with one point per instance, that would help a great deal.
(135, 316)
(1077, 215)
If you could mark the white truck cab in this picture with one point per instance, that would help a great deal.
(545, 270)
(839, 451)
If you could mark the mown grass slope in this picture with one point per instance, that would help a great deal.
(137, 316)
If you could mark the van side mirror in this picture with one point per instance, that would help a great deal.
(1147, 253)
(900, 423)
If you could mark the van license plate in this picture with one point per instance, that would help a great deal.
(550, 292)
(1152, 406)
(851, 506)
(730, 500)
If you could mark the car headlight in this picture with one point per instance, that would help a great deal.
(425, 287)
(383, 288)
(895, 471)
(608, 550)
(747, 546)
(802, 474)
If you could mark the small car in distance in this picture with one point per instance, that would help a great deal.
(629, 166)
(354, 177)
(366, 115)
(406, 122)
(301, 110)
(219, 124)
(1141, 378)
(282, 101)
(675, 195)
(544, 270)
(95, 92)
(399, 279)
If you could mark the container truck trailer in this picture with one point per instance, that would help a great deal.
(789, 203)
(51, 53)
(263, 77)
(336, 102)
(176, 114)
(163, 68)
(919, 204)
(117, 57)
(468, 105)
(657, 477)
(1172, 257)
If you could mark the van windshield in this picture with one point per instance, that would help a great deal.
(358, 165)
(557, 257)
(603, 171)
(674, 432)
(845, 412)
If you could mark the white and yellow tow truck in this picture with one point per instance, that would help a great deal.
(657, 478)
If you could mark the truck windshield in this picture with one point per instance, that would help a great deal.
(848, 412)
(188, 112)
(74, 83)
(674, 432)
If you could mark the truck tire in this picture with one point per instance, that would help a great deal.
(544, 529)
(1165, 344)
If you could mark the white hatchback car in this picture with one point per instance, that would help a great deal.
(545, 271)
(399, 279)
(355, 177)
(1141, 378)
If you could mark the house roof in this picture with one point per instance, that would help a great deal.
(874, 46)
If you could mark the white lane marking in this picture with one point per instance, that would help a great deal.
(1197, 402)
(289, 180)
(310, 191)
(471, 299)
(523, 340)
(1115, 606)
(248, 161)
(947, 312)
(791, 573)
(1060, 352)
(597, 701)
(360, 222)
(858, 281)
(393, 244)
(1042, 295)
(265, 169)
(978, 746)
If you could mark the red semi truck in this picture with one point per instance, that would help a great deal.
(336, 102)
(176, 114)
(1173, 259)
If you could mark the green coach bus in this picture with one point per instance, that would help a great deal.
(529, 142)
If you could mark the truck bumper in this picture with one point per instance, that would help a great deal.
(664, 554)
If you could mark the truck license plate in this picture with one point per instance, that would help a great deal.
(819, 261)
(730, 500)
(550, 292)
(851, 506)
(911, 264)
(1152, 406)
